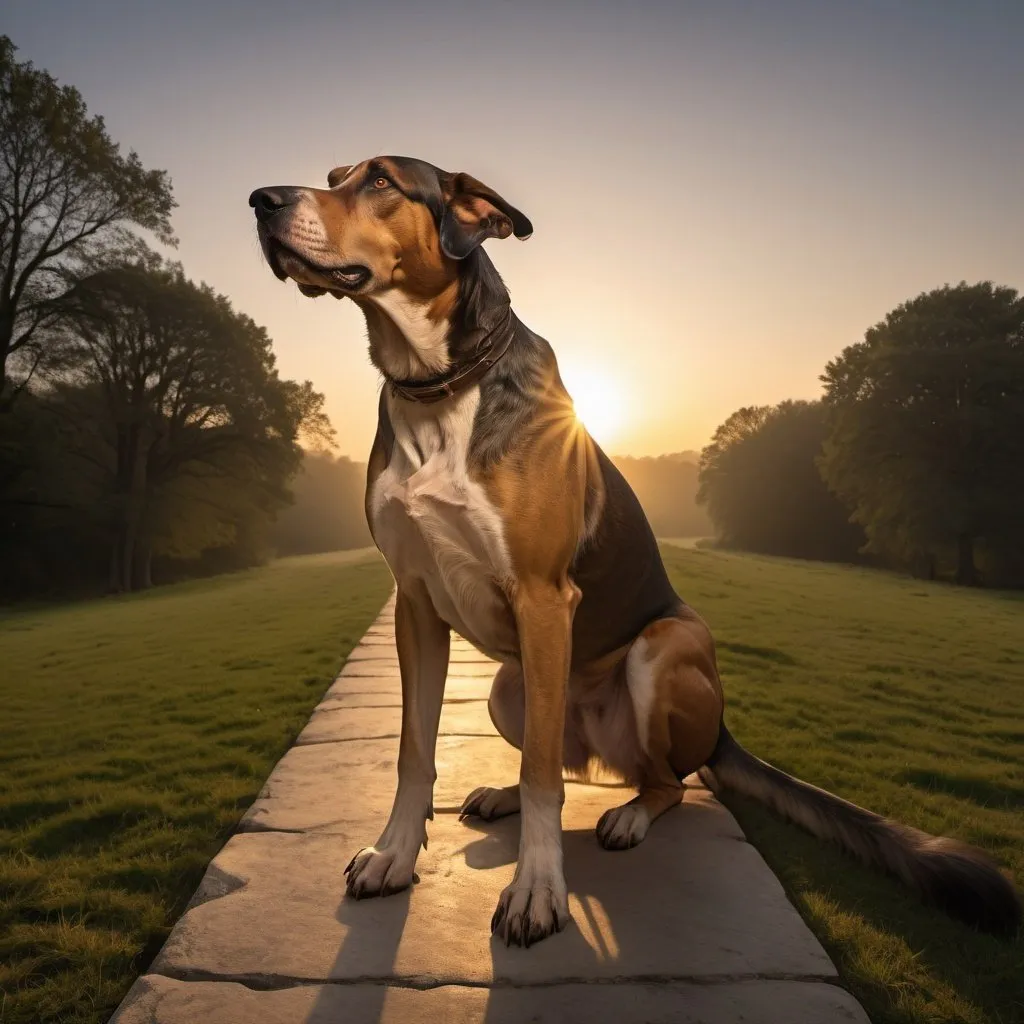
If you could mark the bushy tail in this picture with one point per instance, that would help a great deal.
(954, 876)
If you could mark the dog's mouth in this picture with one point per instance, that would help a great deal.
(285, 262)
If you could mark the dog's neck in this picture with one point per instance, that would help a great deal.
(413, 340)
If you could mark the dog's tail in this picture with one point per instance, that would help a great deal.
(954, 876)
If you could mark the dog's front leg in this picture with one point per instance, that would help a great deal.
(423, 641)
(536, 903)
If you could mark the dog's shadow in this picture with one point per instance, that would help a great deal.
(600, 894)
(610, 935)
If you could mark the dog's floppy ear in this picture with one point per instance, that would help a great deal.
(473, 212)
(338, 175)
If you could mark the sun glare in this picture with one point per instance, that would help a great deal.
(599, 400)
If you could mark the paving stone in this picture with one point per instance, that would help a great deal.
(384, 699)
(371, 678)
(386, 652)
(694, 901)
(388, 688)
(468, 687)
(378, 666)
(371, 652)
(339, 723)
(387, 666)
(694, 908)
(158, 1000)
(473, 656)
(335, 787)
(483, 669)
(383, 685)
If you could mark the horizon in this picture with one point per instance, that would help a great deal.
(779, 179)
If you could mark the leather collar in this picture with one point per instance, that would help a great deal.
(460, 376)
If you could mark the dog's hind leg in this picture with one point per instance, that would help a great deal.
(507, 707)
(677, 702)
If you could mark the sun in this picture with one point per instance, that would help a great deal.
(599, 400)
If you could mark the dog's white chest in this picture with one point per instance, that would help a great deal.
(433, 523)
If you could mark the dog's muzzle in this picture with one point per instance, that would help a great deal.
(268, 204)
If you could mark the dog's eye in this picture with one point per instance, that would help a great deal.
(381, 183)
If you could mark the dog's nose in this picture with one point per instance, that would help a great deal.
(267, 201)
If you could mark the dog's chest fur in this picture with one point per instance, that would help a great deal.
(435, 524)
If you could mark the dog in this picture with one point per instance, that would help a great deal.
(502, 519)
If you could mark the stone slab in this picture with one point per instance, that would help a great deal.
(691, 926)
(388, 690)
(387, 700)
(387, 652)
(456, 669)
(338, 723)
(159, 1000)
(348, 787)
(483, 669)
(371, 667)
(385, 639)
(692, 902)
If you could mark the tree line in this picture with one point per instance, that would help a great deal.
(912, 458)
(143, 424)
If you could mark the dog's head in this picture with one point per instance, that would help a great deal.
(389, 222)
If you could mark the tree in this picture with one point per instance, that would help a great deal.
(52, 530)
(760, 481)
(68, 202)
(926, 422)
(180, 394)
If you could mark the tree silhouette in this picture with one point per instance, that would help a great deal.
(927, 425)
(179, 394)
(68, 202)
(760, 481)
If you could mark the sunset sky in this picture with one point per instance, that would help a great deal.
(724, 194)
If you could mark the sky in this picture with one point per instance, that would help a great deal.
(724, 194)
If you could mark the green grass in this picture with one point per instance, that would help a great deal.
(135, 731)
(907, 698)
(133, 734)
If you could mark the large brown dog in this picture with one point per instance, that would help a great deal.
(502, 519)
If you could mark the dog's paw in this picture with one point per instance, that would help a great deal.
(529, 911)
(489, 803)
(373, 872)
(623, 827)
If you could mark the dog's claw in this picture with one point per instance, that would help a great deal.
(497, 917)
(488, 803)
(542, 913)
(375, 872)
(622, 828)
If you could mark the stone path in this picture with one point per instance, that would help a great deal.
(691, 926)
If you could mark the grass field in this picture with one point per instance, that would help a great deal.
(907, 698)
(135, 731)
(133, 734)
